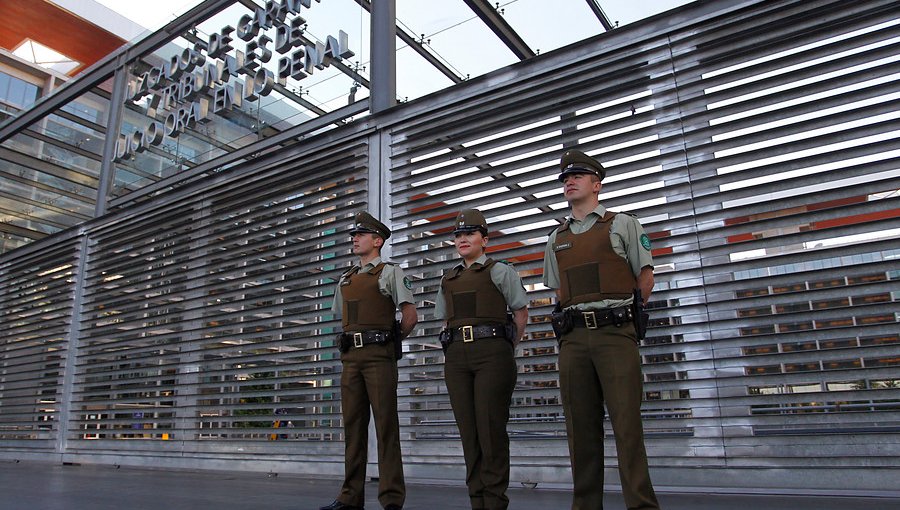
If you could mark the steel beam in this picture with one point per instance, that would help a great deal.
(598, 11)
(8, 228)
(419, 48)
(501, 28)
(102, 70)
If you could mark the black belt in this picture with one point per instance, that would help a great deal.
(593, 319)
(470, 333)
(362, 338)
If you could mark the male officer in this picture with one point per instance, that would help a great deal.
(595, 261)
(367, 297)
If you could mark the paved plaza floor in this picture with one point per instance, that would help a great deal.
(47, 486)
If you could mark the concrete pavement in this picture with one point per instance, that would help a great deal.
(46, 486)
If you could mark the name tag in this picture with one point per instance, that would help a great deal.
(563, 246)
(345, 281)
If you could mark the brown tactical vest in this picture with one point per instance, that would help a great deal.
(471, 296)
(589, 268)
(365, 307)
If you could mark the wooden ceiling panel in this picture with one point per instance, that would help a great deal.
(55, 28)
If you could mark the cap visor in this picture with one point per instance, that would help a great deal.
(469, 228)
(563, 175)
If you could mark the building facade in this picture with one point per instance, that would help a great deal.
(185, 321)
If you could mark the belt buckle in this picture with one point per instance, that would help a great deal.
(590, 319)
(467, 333)
(357, 339)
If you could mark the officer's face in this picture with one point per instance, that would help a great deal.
(364, 243)
(470, 245)
(580, 186)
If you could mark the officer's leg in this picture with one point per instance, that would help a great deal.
(495, 380)
(381, 382)
(619, 365)
(355, 411)
(460, 381)
(582, 399)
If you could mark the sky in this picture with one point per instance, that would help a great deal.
(162, 12)
(622, 11)
(448, 27)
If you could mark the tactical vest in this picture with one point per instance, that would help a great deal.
(472, 297)
(365, 307)
(589, 268)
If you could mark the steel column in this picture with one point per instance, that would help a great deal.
(108, 164)
(384, 55)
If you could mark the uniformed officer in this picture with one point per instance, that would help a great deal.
(480, 366)
(595, 261)
(367, 297)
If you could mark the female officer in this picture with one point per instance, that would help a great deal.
(480, 366)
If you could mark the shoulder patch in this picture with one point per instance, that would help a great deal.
(645, 241)
(407, 283)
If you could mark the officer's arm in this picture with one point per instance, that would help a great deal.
(337, 302)
(644, 283)
(550, 276)
(520, 317)
(408, 318)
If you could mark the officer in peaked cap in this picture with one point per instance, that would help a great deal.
(576, 162)
(474, 298)
(366, 299)
(364, 222)
(471, 220)
(599, 263)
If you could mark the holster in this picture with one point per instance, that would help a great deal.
(343, 342)
(640, 317)
(510, 329)
(561, 322)
(444, 337)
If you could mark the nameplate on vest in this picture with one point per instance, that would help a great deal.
(562, 246)
(345, 281)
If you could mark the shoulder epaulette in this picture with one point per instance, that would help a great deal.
(489, 263)
(453, 272)
(353, 269)
(560, 228)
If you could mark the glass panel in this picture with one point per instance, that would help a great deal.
(17, 92)
(51, 172)
(191, 101)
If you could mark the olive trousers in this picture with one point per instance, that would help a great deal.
(597, 367)
(369, 379)
(480, 377)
